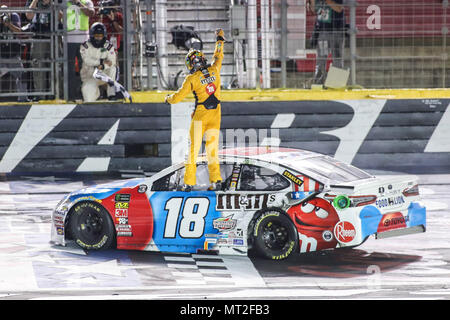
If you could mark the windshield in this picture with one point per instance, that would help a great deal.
(332, 169)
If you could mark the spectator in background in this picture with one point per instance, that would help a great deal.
(112, 18)
(329, 34)
(110, 15)
(10, 29)
(40, 51)
(97, 53)
(78, 14)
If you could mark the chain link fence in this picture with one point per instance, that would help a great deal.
(270, 44)
(40, 46)
(27, 54)
(365, 43)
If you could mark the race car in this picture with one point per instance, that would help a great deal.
(275, 201)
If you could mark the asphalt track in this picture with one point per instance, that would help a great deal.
(409, 267)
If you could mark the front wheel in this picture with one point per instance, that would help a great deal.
(91, 226)
(274, 235)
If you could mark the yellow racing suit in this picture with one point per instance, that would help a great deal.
(205, 85)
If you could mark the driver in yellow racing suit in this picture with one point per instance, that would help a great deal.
(204, 82)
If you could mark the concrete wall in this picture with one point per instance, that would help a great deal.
(406, 135)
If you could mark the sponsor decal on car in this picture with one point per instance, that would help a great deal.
(121, 205)
(390, 201)
(391, 221)
(244, 202)
(293, 177)
(225, 223)
(124, 230)
(121, 213)
(142, 188)
(344, 231)
(122, 197)
(327, 235)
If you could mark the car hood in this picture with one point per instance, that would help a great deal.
(104, 190)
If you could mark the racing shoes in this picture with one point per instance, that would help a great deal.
(186, 188)
(215, 186)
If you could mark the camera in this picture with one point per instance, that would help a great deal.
(106, 7)
(151, 50)
(105, 11)
(4, 17)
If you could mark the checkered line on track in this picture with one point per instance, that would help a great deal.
(196, 269)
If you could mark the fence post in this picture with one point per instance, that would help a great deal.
(283, 51)
(252, 45)
(444, 41)
(55, 80)
(65, 54)
(265, 46)
(353, 31)
(161, 37)
(128, 45)
(149, 39)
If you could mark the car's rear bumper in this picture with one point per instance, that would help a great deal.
(397, 223)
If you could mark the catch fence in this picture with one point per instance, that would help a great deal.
(270, 44)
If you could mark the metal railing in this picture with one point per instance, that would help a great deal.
(383, 43)
(27, 56)
(270, 44)
(36, 65)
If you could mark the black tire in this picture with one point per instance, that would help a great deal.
(274, 235)
(91, 226)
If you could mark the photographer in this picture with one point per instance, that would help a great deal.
(40, 51)
(110, 15)
(113, 21)
(10, 28)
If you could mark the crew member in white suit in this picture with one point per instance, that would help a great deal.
(97, 53)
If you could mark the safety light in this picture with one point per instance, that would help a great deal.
(341, 202)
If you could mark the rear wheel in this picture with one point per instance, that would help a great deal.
(274, 235)
(91, 226)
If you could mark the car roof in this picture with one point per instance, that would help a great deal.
(301, 161)
(278, 155)
(286, 157)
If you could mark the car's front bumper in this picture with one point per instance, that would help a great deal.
(59, 215)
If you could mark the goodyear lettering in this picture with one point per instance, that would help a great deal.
(287, 253)
(261, 218)
(93, 246)
(88, 198)
(86, 204)
(293, 178)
